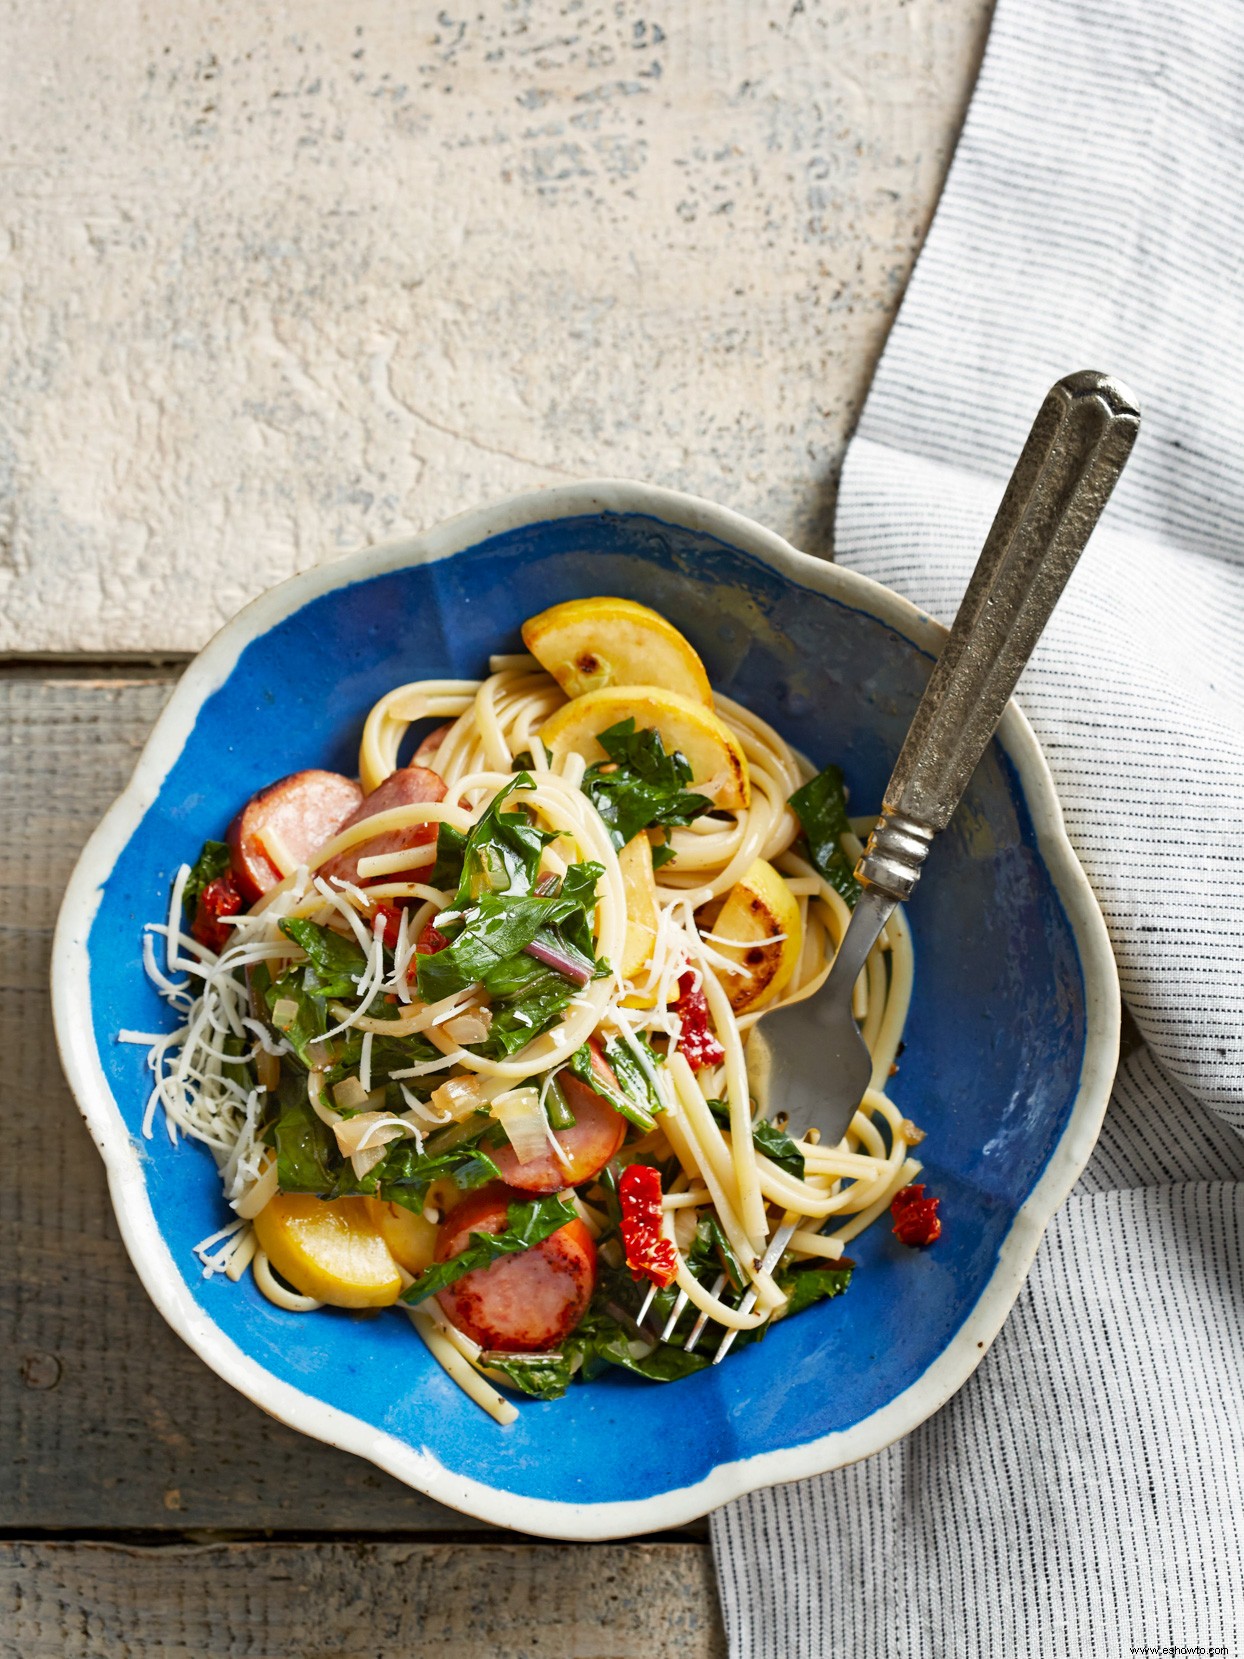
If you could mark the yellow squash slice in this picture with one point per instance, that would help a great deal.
(761, 919)
(411, 1239)
(329, 1249)
(718, 764)
(639, 884)
(587, 644)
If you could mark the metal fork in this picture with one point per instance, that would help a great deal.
(818, 1065)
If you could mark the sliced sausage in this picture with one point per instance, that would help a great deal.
(523, 1303)
(425, 754)
(596, 1136)
(305, 810)
(410, 786)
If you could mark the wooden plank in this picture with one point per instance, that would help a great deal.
(291, 278)
(357, 1601)
(106, 1419)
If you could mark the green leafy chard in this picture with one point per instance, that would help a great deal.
(308, 1159)
(725, 1252)
(542, 1376)
(498, 927)
(580, 1063)
(641, 787)
(527, 1225)
(241, 1071)
(636, 1072)
(339, 962)
(531, 949)
(446, 873)
(821, 807)
(578, 894)
(806, 1285)
(301, 990)
(500, 853)
(342, 1055)
(309, 1021)
(767, 1138)
(491, 929)
(519, 1021)
(603, 1340)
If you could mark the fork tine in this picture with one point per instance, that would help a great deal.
(777, 1244)
(680, 1302)
(697, 1330)
(647, 1303)
(723, 1348)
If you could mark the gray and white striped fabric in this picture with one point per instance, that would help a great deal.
(1084, 1494)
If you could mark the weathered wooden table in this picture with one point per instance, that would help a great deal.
(281, 280)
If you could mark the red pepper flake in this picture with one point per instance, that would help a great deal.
(916, 1221)
(696, 1041)
(649, 1254)
(218, 899)
(430, 941)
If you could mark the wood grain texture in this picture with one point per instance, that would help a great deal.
(358, 1601)
(106, 1419)
(283, 278)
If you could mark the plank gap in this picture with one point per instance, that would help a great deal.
(692, 1536)
(59, 668)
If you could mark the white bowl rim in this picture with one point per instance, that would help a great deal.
(416, 1467)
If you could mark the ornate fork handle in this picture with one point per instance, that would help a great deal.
(1075, 452)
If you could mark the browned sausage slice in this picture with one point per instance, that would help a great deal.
(410, 786)
(304, 810)
(596, 1136)
(524, 1303)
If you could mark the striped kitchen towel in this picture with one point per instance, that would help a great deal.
(1084, 1494)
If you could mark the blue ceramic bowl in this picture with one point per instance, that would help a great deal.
(1010, 1049)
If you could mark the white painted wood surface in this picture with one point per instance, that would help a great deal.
(279, 279)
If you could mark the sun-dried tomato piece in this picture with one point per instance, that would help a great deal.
(696, 1040)
(218, 899)
(430, 941)
(649, 1254)
(916, 1221)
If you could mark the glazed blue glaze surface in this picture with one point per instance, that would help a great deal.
(994, 1044)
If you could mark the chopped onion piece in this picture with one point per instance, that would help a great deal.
(521, 1116)
(368, 1129)
(350, 1095)
(471, 1027)
(284, 1013)
(365, 1161)
(461, 1096)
